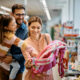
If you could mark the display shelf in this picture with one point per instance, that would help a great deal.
(72, 73)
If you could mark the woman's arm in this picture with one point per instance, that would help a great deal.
(28, 63)
(26, 51)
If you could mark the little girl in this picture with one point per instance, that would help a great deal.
(8, 28)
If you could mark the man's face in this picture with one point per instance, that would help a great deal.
(19, 16)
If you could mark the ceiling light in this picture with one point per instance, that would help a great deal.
(1, 12)
(47, 13)
(5, 8)
(46, 9)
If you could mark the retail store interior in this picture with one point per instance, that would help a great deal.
(61, 19)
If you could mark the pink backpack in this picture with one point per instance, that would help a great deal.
(48, 58)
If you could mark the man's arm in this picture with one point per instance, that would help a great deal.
(17, 57)
(16, 53)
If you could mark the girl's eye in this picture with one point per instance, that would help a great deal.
(38, 27)
(33, 27)
(13, 25)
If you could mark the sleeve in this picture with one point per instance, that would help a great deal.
(17, 57)
(26, 53)
(15, 49)
(16, 53)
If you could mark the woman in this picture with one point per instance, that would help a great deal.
(38, 41)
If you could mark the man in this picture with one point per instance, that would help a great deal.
(18, 11)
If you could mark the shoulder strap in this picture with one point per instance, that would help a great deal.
(46, 39)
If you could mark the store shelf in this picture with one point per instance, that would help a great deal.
(72, 73)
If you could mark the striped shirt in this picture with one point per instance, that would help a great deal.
(6, 45)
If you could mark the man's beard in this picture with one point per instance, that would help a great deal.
(18, 23)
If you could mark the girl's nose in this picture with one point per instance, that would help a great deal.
(35, 30)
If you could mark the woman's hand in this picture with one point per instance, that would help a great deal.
(44, 74)
(28, 64)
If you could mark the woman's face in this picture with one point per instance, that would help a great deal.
(35, 29)
(12, 25)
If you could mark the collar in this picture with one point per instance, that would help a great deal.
(22, 26)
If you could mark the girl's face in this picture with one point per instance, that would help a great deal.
(35, 29)
(12, 25)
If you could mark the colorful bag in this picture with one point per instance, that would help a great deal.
(47, 58)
